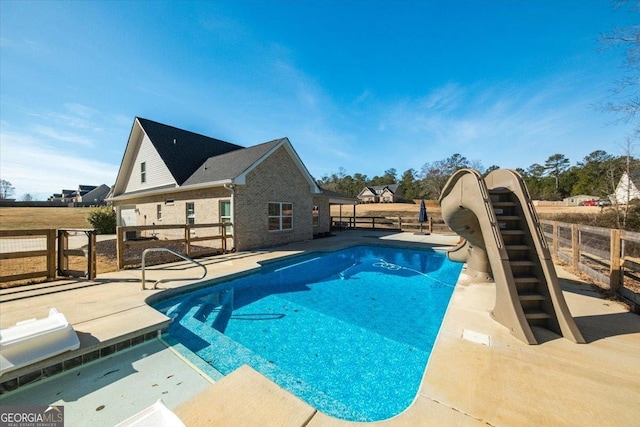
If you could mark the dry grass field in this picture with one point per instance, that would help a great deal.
(36, 218)
(46, 218)
(433, 210)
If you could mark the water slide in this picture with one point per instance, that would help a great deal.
(503, 240)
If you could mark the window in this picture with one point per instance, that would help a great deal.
(159, 212)
(280, 216)
(315, 216)
(191, 213)
(225, 213)
(143, 172)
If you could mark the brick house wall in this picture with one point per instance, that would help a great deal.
(173, 208)
(276, 179)
(324, 210)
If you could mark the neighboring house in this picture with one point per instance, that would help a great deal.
(381, 194)
(627, 189)
(87, 194)
(95, 196)
(173, 176)
(576, 200)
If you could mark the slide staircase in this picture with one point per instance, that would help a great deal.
(503, 241)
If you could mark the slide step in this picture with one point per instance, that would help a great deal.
(531, 297)
(525, 263)
(512, 232)
(507, 217)
(504, 204)
(536, 315)
(523, 280)
(517, 247)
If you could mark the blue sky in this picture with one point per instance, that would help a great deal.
(362, 85)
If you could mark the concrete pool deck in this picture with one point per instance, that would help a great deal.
(505, 383)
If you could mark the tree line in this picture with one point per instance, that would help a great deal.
(596, 175)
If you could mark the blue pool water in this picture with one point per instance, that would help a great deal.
(350, 332)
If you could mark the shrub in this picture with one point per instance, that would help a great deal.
(103, 220)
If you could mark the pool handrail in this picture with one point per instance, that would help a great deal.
(184, 257)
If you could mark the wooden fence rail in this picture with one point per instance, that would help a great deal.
(12, 250)
(380, 223)
(610, 257)
(192, 240)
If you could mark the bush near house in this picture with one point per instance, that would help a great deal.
(103, 220)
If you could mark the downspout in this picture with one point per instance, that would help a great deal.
(231, 188)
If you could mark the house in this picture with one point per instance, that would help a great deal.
(92, 194)
(577, 200)
(627, 189)
(172, 176)
(86, 194)
(381, 194)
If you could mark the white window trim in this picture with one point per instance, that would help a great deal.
(225, 218)
(143, 172)
(186, 212)
(280, 217)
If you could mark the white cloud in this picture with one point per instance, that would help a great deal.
(33, 166)
(58, 135)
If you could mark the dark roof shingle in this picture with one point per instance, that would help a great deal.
(183, 151)
(230, 165)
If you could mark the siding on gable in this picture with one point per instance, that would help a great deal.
(157, 173)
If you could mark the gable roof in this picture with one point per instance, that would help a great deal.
(183, 151)
(197, 161)
(230, 165)
(379, 189)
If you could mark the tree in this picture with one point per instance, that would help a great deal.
(490, 169)
(592, 174)
(555, 165)
(626, 95)
(6, 189)
(436, 174)
(27, 197)
(410, 185)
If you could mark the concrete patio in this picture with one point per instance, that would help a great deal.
(504, 383)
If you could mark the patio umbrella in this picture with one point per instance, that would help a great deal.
(422, 216)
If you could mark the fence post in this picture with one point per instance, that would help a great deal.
(400, 223)
(430, 222)
(63, 245)
(92, 252)
(51, 254)
(575, 246)
(615, 274)
(120, 247)
(555, 234)
(187, 240)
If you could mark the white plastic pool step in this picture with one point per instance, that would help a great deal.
(33, 340)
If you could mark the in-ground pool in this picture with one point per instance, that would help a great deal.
(350, 332)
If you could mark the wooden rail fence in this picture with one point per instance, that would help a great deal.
(14, 247)
(610, 257)
(192, 240)
(380, 223)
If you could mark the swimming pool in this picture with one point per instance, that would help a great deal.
(350, 332)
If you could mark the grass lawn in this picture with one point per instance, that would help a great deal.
(36, 218)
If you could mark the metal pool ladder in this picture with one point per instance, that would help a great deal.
(186, 258)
